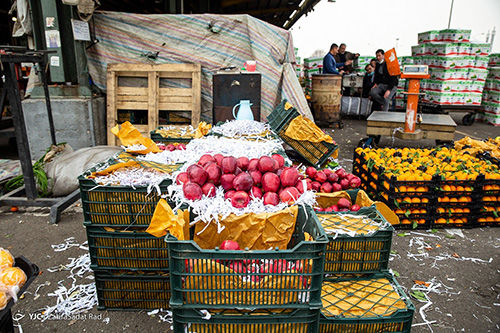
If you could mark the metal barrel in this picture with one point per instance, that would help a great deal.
(326, 97)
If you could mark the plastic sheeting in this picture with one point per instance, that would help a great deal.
(214, 41)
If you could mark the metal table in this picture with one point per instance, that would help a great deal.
(440, 127)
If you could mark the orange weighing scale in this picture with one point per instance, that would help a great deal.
(409, 126)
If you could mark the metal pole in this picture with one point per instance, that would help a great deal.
(23, 147)
(451, 11)
(43, 76)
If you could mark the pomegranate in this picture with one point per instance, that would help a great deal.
(243, 182)
(343, 203)
(311, 172)
(182, 178)
(270, 182)
(256, 192)
(218, 159)
(344, 183)
(209, 190)
(226, 180)
(271, 198)
(289, 195)
(321, 177)
(289, 177)
(192, 191)
(197, 174)
(242, 163)
(229, 194)
(337, 187)
(355, 182)
(326, 188)
(205, 159)
(315, 186)
(228, 164)
(214, 172)
(333, 177)
(253, 164)
(355, 208)
(267, 164)
(256, 176)
(240, 199)
(280, 159)
(229, 245)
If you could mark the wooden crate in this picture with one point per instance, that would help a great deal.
(152, 98)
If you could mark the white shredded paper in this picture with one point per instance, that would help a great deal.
(238, 128)
(77, 298)
(216, 208)
(214, 145)
(132, 176)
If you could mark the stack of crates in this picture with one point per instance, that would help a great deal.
(311, 66)
(280, 291)
(131, 266)
(359, 294)
(432, 203)
(488, 203)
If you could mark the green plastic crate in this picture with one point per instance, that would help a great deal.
(296, 321)
(200, 281)
(157, 137)
(118, 205)
(314, 153)
(128, 290)
(366, 252)
(368, 321)
(115, 249)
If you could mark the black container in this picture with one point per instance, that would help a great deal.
(31, 271)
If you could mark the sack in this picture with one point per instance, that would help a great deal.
(65, 168)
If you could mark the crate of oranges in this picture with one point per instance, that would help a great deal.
(433, 187)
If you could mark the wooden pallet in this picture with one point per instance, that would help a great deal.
(151, 98)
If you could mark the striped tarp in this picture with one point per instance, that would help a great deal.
(214, 41)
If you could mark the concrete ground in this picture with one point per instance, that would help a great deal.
(465, 270)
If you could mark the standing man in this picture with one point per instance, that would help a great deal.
(385, 85)
(330, 66)
(343, 56)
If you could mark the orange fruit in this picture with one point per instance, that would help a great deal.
(12, 276)
(415, 200)
(399, 211)
(410, 189)
(458, 210)
(466, 210)
(445, 199)
(421, 189)
(454, 199)
(407, 200)
(6, 259)
(441, 221)
(405, 221)
(457, 221)
(425, 200)
(3, 299)
(423, 211)
(440, 210)
(490, 219)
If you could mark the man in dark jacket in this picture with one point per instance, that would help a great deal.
(343, 56)
(385, 85)
(330, 66)
(368, 81)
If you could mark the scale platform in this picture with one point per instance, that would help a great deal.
(439, 127)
